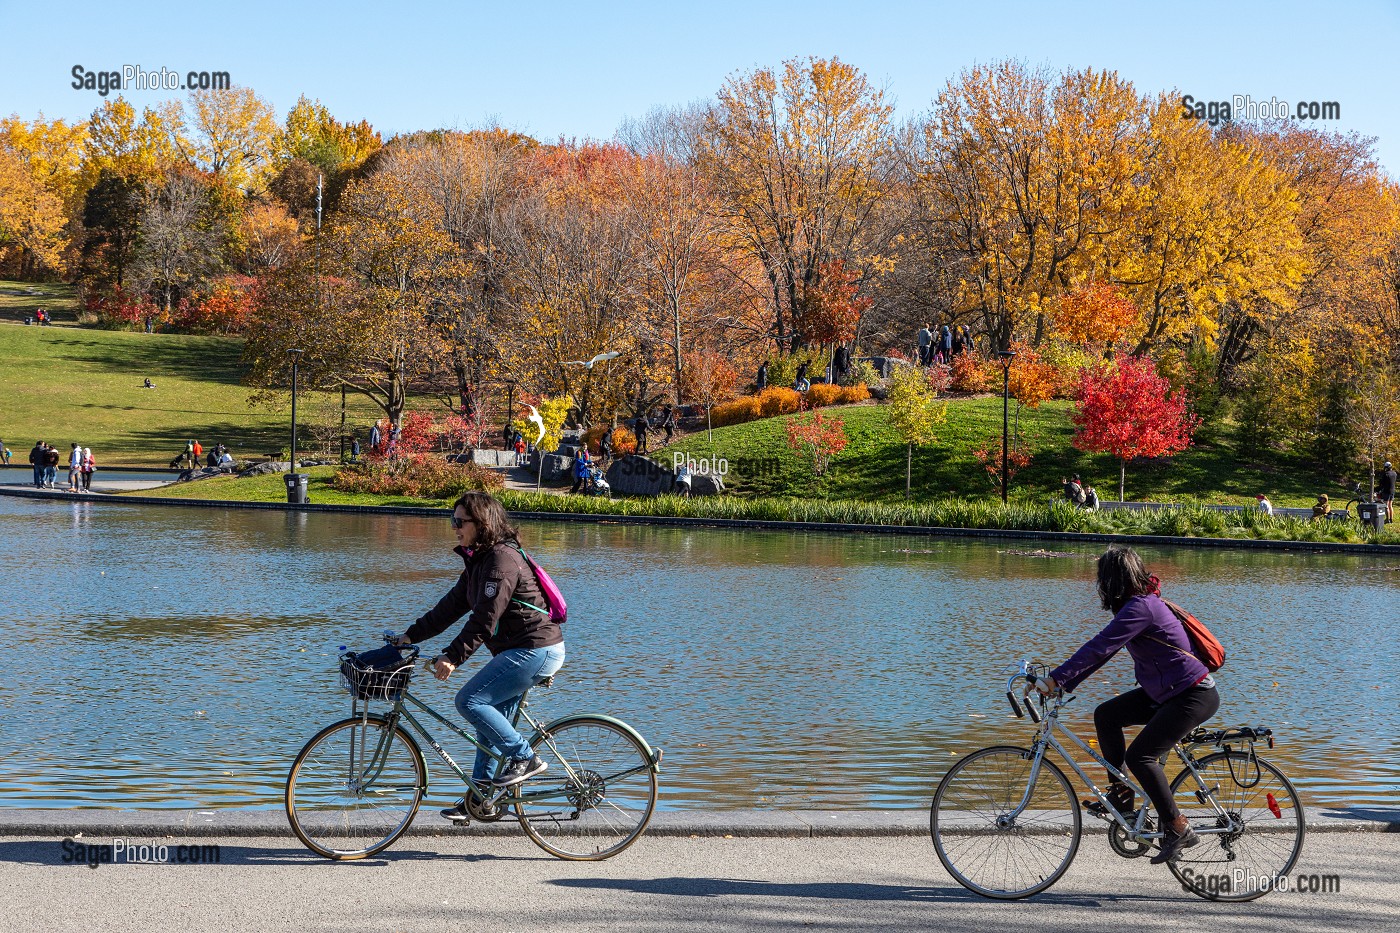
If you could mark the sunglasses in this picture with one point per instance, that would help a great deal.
(459, 522)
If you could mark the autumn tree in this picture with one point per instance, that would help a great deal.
(178, 244)
(709, 379)
(914, 412)
(818, 439)
(1021, 181)
(111, 220)
(1095, 312)
(1126, 409)
(800, 163)
(233, 135)
(138, 149)
(32, 220)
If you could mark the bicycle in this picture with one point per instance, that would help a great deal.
(355, 787)
(1006, 823)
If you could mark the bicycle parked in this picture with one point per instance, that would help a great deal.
(357, 784)
(1006, 823)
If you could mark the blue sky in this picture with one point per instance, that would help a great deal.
(576, 70)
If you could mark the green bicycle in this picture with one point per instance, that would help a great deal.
(1006, 823)
(357, 784)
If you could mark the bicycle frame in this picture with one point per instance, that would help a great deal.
(400, 713)
(1045, 739)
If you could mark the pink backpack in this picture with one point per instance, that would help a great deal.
(558, 611)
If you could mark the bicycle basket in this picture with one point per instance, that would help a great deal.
(366, 681)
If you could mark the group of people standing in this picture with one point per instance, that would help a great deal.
(45, 459)
(943, 345)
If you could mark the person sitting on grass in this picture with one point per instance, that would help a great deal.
(147, 383)
(1321, 508)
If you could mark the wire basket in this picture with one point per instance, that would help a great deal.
(370, 683)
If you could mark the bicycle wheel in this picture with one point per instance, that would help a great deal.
(597, 795)
(982, 845)
(354, 788)
(1262, 845)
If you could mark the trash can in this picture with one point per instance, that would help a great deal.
(1371, 513)
(296, 488)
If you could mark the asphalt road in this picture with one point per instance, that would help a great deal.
(505, 884)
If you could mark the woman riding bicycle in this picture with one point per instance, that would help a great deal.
(1176, 695)
(509, 616)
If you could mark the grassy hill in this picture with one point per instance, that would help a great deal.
(872, 466)
(66, 383)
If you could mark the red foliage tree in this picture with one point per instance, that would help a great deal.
(819, 439)
(1128, 410)
(833, 310)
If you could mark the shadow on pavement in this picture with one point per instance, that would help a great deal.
(837, 890)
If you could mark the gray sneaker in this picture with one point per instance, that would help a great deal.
(520, 769)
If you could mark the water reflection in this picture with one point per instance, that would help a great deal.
(172, 657)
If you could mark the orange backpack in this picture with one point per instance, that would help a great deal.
(1204, 646)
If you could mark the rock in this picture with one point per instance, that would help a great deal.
(189, 476)
(705, 484)
(262, 469)
(486, 457)
(639, 476)
(556, 467)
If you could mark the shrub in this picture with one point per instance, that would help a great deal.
(821, 395)
(417, 478)
(864, 373)
(593, 437)
(970, 373)
(736, 412)
(782, 369)
(859, 392)
(777, 400)
(624, 441)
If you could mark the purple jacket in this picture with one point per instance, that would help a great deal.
(1161, 670)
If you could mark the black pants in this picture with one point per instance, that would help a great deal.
(1163, 725)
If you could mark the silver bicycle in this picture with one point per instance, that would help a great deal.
(1006, 822)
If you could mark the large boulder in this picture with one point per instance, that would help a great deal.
(706, 484)
(262, 469)
(556, 467)
(640, 476)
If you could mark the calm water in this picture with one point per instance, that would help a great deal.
(164, 657)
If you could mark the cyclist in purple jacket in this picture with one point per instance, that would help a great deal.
(1176, 692)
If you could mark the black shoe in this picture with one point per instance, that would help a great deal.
(520, 769)
(457, 813)
(1120, 798)
(1173, 843)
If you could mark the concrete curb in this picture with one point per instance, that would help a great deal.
(738, 824)
(754, 524)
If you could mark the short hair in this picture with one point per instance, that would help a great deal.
(492, 524)
(1121, 576)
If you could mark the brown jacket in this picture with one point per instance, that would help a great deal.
(488, 587)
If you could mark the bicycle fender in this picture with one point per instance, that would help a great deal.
(654, 755)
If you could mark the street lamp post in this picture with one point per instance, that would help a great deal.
(1005, 356)
(296, 357)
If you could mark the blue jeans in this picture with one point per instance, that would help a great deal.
(489, 701)
(38, 475)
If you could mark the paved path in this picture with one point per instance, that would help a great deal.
(505, 884)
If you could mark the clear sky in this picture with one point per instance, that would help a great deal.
(578, 69)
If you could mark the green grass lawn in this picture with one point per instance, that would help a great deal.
(872, 466)
(65, 383)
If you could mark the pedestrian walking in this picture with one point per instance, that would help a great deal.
(605, 446)
(668, 423)
(801, 382)
(75, 468)
(581, 466)
(840, 364)
(946, 344)
(1386, 495)
(925, 344)
(761, 382)
(51, 458)
(957, 342)
(639, 428)
(374, 437)
(89, 466)
(354, 450)
(36, 460)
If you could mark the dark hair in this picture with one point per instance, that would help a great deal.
(492, 524)
(1122, 576)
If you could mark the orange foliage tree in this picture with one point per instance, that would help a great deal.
(1096, 313)
(818, 439)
